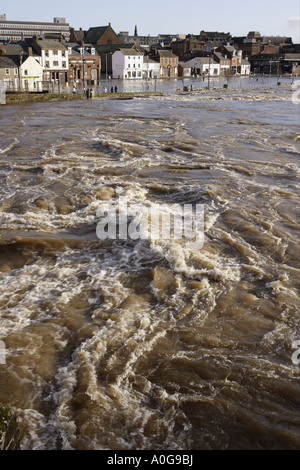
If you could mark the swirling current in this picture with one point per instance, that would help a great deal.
(149, 344)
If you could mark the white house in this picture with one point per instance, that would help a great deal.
(31, 74)
(204, 66)
(245, 67)
(151, 68)
(54, 58)
(127, 64)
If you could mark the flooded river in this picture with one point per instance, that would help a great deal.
(150, 344)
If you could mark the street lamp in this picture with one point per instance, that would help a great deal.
(82, 58)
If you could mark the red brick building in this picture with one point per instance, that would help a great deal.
(183, 48)
(105, 41)
(102, 35)
(84, 63)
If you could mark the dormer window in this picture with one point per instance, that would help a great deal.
(93, 51)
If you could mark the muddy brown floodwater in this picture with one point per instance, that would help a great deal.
(149, 344)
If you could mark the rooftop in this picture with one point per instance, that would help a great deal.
(165, 53)
(130, 52)
(95, 33)
(8, 62)
(50, 44)
(106, 48)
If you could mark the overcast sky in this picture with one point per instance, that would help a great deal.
(270, 17)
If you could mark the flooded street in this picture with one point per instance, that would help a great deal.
(149, 344)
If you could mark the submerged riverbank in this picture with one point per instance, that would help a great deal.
(267, 92)
(23, 97)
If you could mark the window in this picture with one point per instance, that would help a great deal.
(47, 64)
(16, 71)
(63, 53)
(55, 63)
(129, 74)
(47, 53)
(55, 52)
(64, 65)
(25, 72)
(6, 71)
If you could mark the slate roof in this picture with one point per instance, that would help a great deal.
(164, 53)
(184, 65)
(8, 62)
(202, 60)
(14, 49)
(221, 56)
(230, 49)
(51, 44)
(130, 52)
(150, 61)
(95, 33)
(78, 35)
(112, 47)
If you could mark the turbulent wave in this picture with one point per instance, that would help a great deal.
(150, 344)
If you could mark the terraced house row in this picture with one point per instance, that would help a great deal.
(37, 56)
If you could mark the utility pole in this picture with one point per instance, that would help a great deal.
(208, 72)
(82, 57)
(20, 71)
